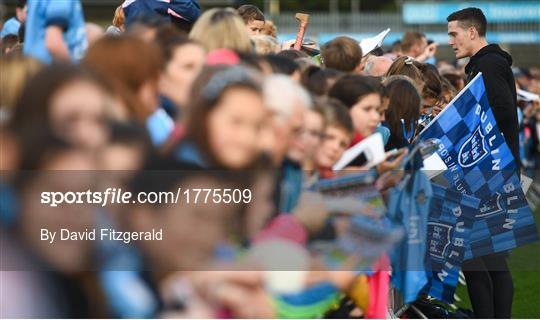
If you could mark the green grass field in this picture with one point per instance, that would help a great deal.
(525, 266)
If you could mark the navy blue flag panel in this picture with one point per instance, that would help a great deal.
(409, 205)
(480, 164)
(450, 222)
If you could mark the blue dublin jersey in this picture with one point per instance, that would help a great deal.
(10, 27)
(67, 14)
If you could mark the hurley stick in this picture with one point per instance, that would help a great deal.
(304, 20)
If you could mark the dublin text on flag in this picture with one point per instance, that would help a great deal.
(481, 164)
(449, 226)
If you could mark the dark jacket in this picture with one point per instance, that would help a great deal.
(494, 63)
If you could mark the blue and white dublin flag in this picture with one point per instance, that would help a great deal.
(451, 218)
(480, 164)
(409, 206)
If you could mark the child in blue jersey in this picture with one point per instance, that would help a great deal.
(55, 30)
(14, 23)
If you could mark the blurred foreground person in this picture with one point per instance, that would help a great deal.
(16, 71)
(52, 101)
(188, 258)
(59, 266)
(288, 112)
(184, 60)
(225, 120)
(94, 32)
(133, 68)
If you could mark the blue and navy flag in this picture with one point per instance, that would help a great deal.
(451, 218)
(480, 164)
(409, 205)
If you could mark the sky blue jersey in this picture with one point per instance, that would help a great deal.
(67, 14)
(10, 27)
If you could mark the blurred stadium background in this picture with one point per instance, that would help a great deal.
(513, 24)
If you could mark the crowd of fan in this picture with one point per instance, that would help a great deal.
(223, 94)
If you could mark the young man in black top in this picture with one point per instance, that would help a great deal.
(489, 280)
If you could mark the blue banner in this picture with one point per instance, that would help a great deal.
(409, 204)
(495, 11)
(480, 164)
(450, 222)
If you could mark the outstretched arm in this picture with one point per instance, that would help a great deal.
(54, 42)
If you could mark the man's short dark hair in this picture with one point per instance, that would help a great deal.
(470, 17)
(250, 13)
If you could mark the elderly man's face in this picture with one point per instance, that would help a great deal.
(378, 66)
(286, 131)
